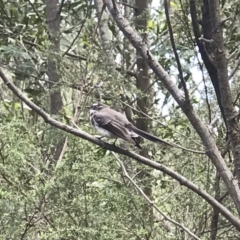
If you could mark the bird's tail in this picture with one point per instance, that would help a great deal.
(136, 143)
(146, 135)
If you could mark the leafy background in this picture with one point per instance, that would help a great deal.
(83, 194)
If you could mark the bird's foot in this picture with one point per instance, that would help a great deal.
(99, 137)
(114, 143)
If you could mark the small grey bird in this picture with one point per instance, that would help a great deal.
(112, 124)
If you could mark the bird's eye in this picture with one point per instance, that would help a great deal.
(95, 105)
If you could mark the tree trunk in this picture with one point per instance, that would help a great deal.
(143, 83)
(226, 95)
(53, 21)
(105, 33)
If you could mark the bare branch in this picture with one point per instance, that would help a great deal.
(76, 37)
(60, 7)
(222, 22)
(34, 9)
(127, 5)
(210, 41)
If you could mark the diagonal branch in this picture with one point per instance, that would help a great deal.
(76, 37)
(79, 133)
(234, 70)
(61, 7)
(34, 9)
(202, 130)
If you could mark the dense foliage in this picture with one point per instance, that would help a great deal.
(57, 186)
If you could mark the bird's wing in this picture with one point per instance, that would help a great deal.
(109, 123)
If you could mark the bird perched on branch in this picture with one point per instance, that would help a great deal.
(112, 124)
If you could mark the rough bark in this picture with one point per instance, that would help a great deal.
(214, 57)
(53, 21)
(105, 33)
(211, 149)
(207, 51)
(226, 96)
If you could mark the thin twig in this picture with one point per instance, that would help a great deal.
(224, 20)
(127, 5)
(155, 120)
(175, 50)
(210, 41)
(167, 142)
(236, 99)
(149, 200)
(82, 58)
(99, 20)
(114, 4)
(74, 40)
(66, 139)
(234, 70)
(207, 99)
(34, 9)
(60, 7)
(28, 225)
